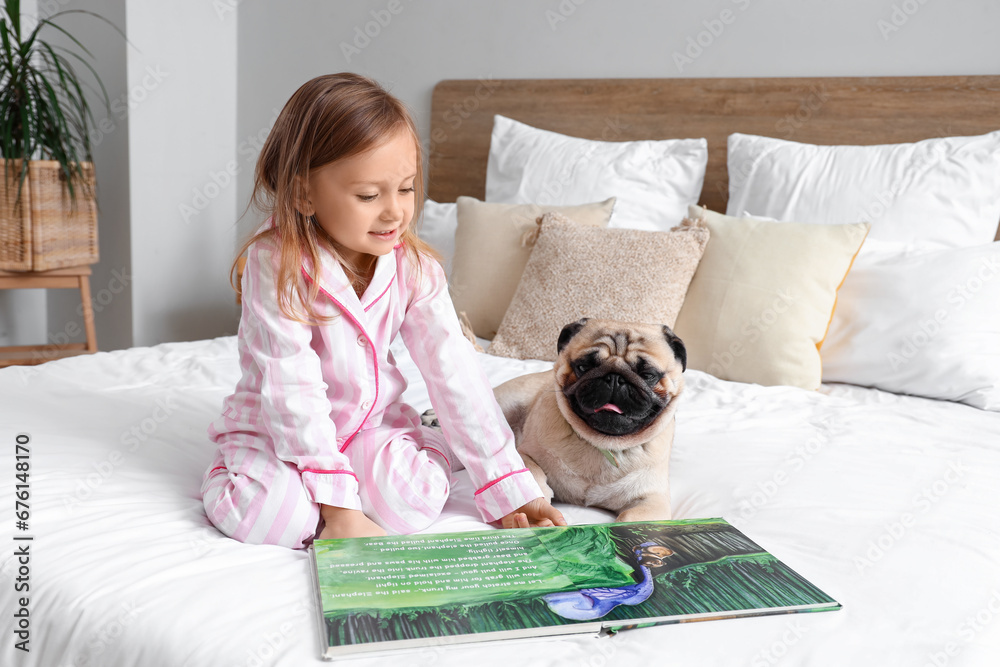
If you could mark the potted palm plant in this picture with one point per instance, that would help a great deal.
(48, 207)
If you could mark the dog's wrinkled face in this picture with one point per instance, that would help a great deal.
(618, 381)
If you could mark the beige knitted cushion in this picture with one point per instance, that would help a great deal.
(575, 271)
(489, 256)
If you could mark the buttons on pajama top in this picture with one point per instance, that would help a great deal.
(362, 341)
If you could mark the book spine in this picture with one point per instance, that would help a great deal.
(318, 601)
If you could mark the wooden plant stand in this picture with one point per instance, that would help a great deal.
(77, 277)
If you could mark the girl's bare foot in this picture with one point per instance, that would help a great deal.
(343, 522)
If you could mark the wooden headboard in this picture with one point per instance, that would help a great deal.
(868, 110)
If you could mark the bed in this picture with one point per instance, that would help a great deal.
(887, 501)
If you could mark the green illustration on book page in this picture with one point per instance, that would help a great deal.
(419, 571)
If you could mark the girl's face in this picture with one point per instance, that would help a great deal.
(365, 202)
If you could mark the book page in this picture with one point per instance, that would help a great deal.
(437, 570)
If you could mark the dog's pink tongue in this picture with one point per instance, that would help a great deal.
(609, 406)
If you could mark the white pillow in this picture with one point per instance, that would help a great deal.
(933, 193)
(923, 323)
(654, 181)
(438, 229)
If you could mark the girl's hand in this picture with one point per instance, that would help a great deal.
(538, 512)
(343, 522)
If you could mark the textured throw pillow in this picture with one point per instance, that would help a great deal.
(921, 323)
(654, 181)
(942, 192)
(762, 298)
(576, 271)
(490, 256)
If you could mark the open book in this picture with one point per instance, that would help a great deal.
(386, 593)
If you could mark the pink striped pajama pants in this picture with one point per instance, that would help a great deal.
(404, 475)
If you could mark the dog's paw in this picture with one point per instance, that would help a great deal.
(429, 419)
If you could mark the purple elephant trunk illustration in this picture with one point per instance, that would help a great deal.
(588, 604)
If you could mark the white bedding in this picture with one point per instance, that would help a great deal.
(888, 503)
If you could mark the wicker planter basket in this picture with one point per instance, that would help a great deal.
(46, 230)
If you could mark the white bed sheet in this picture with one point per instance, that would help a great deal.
(888, 503)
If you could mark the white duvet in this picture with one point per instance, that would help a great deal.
(888, 503)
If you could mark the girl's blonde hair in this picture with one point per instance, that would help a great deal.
(329, 118)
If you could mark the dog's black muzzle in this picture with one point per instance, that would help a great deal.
(613, 400)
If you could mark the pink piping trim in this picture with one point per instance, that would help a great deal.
(370, 343)
(331, 472)
(391, 281)
(439, 453)
(217, 468)
(499, 479)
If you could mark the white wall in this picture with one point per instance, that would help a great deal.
(182, 151)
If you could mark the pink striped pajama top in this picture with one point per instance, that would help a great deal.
(307, 392)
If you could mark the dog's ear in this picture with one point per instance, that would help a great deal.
(677, 345)
(568, 332)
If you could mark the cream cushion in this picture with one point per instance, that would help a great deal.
(576, 271)
(762, 298)
(490, 257)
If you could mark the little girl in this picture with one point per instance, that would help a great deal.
(314, 441)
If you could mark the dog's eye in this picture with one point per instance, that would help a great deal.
(650, 377)
(580, 368)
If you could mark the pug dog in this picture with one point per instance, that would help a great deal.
(597, 429)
